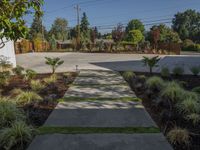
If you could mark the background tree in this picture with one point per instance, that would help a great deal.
(37, 28)
(11, 18)
(155, 36)
(118, 34)
(59, 29)
(135, 25)
(84, 26)
(187, 24)
(135, 36)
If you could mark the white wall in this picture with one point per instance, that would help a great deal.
(9, 51)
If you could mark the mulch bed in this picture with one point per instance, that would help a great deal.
(38, 113)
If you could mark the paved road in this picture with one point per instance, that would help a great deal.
(118, 62)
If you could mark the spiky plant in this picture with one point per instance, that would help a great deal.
(128, 75)
(52, 79)
(54, 63)
(18, 70)
(155, 83)
(30, 74)
(191, 95)
(15, 92)
(188, 106)
(178, 71)
(151, 62)
(17, 136)
(196, 90)
(179, 136)
(9, 113)
(36, 85)
(165, 72)
(27, 97)
(4, 78)
(194, 118)
(195, 70)
(173, 91)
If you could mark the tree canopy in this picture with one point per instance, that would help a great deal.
(187, 24)
(118, 33)
(12, 24)
(84, 27)
(135, 24)
(59, 29)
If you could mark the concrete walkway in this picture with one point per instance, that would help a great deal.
(103, 111)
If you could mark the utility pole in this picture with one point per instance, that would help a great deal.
(78, 26)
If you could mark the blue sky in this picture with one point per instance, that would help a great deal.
(106, 13)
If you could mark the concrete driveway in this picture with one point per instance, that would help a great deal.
(104, 61)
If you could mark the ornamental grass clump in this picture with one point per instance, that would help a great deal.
(195, 70)
(165, 72)
(30, 74)
(9, 113)
(155, 83)
(178, 136)
(173, 92)
(178, 71)
(16, 136)
(18, 70)
(52, 79)
(36, 85)
(27, 97)
(128, 75)
(196, 90)
(194, 118)
(188, 106)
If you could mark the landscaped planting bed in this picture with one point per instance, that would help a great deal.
(173, 101)
(26, 101)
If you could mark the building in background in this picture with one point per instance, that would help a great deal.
(9, 52)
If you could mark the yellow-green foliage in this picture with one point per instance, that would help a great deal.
(52, 79)
(155, 83)
(16, 136)
(194, 118)
(36, 85)
(15, 92)
(27, 97)
(173, 91)
(188, 106)
(9, 113)
(30, 74)
(128, 75)
(179, 136)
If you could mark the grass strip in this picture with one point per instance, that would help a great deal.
(134, 99)
(92, 130)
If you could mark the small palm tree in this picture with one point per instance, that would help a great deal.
(151, 62)
(54, 63)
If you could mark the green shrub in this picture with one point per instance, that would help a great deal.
(195, 70)
(52, 79)
(16, 137)
(188, 106)
(128, 75)
(178, 71)
(30, 74)
(36, 85)
(192, 95)
(4, 79)
(9, 113)
(15, 92)
(165, 72)
(4, 63)
(151, 62)
(173, 91)
(18, 70)
(54, 63)
(155, 83)
(178, 136)
(27, 97)
(194, 118)
(196, 90)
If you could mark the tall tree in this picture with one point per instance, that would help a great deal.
(59, 29)
(12, 24)
(135, 25)
(84, 27)
(187, 24)
(37, 28)
(135, 36)
(118, 34)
